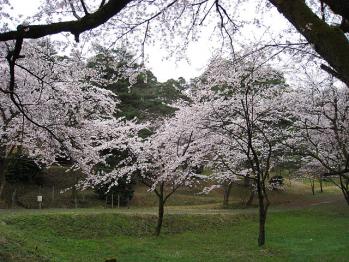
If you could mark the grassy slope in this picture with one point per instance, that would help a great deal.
(316, 233)
(300, 227)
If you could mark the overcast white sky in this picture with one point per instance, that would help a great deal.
(198, 53)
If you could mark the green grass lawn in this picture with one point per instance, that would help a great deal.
(316, 233)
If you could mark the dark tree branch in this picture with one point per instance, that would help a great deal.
(188, 144)
(332, 72)
(11, 58)
(146, 21)
(73, 10)
(84, 7)
(102, 3)
(330, 42)
(75, 27)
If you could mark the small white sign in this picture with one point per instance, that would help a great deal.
(39, 198)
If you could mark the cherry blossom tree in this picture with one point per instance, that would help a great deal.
(312, 171)
(169, 159)
(226, 165)
(322, 129)
(54, 112)
(248, 108)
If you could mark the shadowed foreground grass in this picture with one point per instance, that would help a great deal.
(318, 233)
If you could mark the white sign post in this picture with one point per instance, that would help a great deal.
(39, 199)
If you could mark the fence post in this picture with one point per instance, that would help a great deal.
(53, 193)
(13, 199)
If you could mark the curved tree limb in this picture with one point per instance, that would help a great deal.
(329, 41)
(76, 27)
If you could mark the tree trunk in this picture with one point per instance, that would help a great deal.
(345, 192)
(161, 199)
(75, 196)
(346, 196)
(344, 185)
(227, 189)
(160, 216)
(2, 181)
(2, 171)
(312, 184)
(53, 194)
(13, 198)
(263, 204)
(262, 220)
(247, 180)
(250, 200)
(75, 189)
(320, 182)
